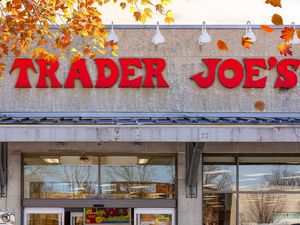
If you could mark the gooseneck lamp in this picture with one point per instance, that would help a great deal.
(204, 36)
(249, 32)
(158, 38)
(112, 36)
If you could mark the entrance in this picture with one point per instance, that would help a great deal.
(44, 216)
(95, 216)
(76, 218)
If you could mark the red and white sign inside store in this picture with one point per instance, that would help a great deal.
(246, 74)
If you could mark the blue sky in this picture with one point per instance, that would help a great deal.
(215, 12)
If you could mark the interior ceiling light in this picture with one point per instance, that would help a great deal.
(51, 160)
(249, 32)
(295, 39)
(84, 159)
(204, 36)
(112, 36)
(143, 161)
(158, 38)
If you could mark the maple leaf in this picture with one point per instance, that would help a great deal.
(267, 28)
(169, 17)
(277, 20)
(284, 49)
(159, 8)
(137, 15)
(123, 5)
(222, 45)
(298, 33)
(246, 42)
(275, 3)
(287, 34)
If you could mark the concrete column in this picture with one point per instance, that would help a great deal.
(189, 209)
(13, 202)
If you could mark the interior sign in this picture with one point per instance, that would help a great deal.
(247, 74)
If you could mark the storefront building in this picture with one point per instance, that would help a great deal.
(152, 140)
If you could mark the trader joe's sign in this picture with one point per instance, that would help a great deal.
(246, 74)
(107, 216)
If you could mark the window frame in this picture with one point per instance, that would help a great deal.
(237, 192)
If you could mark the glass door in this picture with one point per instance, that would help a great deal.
(76, 218)
(154, 217)
(44, 216)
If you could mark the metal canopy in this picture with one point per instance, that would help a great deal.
(150, 127)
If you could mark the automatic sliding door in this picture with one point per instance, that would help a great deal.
(44, 216)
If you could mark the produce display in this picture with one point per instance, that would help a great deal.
(107, 215)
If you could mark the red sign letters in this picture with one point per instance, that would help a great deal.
(250, 73)
(78, 71)
(247, 74)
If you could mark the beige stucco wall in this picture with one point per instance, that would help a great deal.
(183, 56)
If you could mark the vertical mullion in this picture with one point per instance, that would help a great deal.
(237, 189)
(99, 176)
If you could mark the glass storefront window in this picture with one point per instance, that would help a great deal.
(119, 177)
(269, 209)
(268, 190)
(219, 175)
(130, 177)
(60, 177)
(269, 177)
(219, 209)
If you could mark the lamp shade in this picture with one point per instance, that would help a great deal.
(204, 36)
(158, 38)
(112, 36)
(249, 32)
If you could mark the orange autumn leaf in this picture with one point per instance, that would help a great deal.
(275, 3)
(298, 33)
(222, 45)
(2, 69)
(76, 57)
(247, 42)
(137, 15)
(277, 20)
(285, 49)
(123, 5)
(267, 28)
(287, 34)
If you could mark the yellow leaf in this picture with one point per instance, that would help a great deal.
(132, 9)
(165, 2)
(74, 50)
(169, 17)
(277, 20)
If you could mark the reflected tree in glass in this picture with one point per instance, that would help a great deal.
(282, 177)
(260, 208)
(217, 178)
(79, 179)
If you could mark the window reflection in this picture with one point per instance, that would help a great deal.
(269, 177)
(137, 177)
(60, 177)
(219, 209)
(269, 209)
(219, 178)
